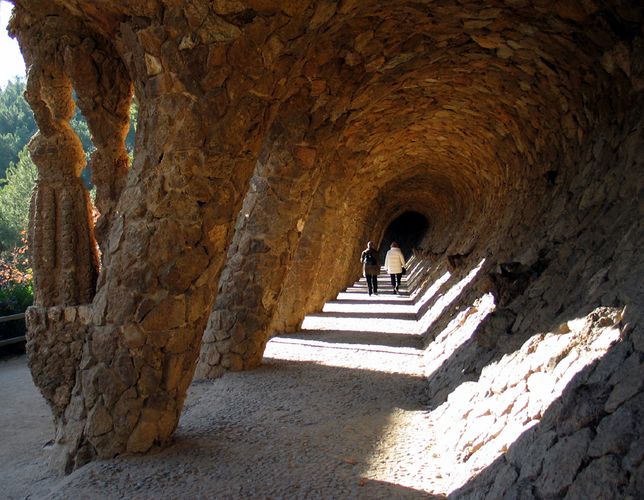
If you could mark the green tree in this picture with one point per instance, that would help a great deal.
(17, 123)
(15, 195)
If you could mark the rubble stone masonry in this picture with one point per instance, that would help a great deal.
(274, 139)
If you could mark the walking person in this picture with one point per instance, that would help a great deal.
(394, 263)
(370, 267)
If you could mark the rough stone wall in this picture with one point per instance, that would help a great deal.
(55, 339)
(512, 126)
(545, 398)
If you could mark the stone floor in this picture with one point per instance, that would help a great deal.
(336, 411)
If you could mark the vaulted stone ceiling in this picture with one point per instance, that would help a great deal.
(273, 139)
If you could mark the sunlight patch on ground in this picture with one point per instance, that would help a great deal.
(358, 356)
(407, 434)
(362, 296)
(360, 324)
(384, 306)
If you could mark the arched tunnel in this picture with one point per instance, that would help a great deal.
(408, 230)
(276, 138)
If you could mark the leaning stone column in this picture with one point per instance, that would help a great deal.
(129, 357)
(266, 237)
(318, 254)
(339, 263)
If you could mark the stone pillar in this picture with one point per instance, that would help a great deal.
(348, 227)
(341, 256)
(322, 259)
(301, 274)
(63, 249)
(104, 93)
(130, 355)
(266, 236)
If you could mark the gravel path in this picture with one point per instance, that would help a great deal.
(334, 412)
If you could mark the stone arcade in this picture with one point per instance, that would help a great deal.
(274, 138)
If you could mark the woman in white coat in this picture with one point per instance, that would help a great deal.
(394, 263)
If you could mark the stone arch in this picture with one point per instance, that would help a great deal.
(499, 123)
(473, 143)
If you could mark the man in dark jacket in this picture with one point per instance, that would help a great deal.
(370, 267)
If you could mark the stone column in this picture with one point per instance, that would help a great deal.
(130, 356)
(63, 249)
(347, 228)
(149, 313)
(341, 257)
(266, 236)
(300, 276)
(321, 260)
(104, 92)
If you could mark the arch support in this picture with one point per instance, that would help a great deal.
(125, 357)
(266, 237)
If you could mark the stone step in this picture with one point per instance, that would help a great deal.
(375, 304)
(332, 350)
(369, 324)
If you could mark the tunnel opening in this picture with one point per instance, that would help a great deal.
(408, 229)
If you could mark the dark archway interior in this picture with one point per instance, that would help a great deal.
(408, 229)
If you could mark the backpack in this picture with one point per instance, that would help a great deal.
(370, 259)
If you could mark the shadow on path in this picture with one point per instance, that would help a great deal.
(288, 429)
(358, 337)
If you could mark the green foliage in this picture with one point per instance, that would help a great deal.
(15, 299)
(15, 196)
(17, 123)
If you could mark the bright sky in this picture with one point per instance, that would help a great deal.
(11, 61)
